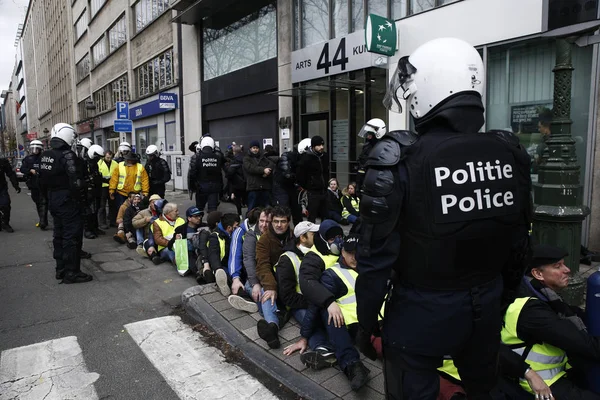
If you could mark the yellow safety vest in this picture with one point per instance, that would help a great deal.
(355, 201)
(347, 302)
(296, 263)
(449, 369)
(123, 172)
(221, 245)
(167, 229)
(329, 260)
(548, 361)
(105, 171)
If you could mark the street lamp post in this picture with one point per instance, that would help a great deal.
(558, 209)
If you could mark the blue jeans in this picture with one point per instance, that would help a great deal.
(340, 338)
(268, 311)
(352, 218)
(167, 255)
(258, 198)
(139, 235)
(318, 338)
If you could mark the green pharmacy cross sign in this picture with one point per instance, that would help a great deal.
(380, 35)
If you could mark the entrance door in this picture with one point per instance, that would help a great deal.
(316, 124)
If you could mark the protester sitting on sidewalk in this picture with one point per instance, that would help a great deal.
(351, 203)
(334, 202)
(204, 274)
(268, 250)
(252, 285)
(143, 220)
(235, 270)
(219, 243)
(149, 247)
(129, 176)
(119, 237)
(339, 316)
(188, 231)
(163, 230)
(134, 236)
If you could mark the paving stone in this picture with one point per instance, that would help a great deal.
(244, 323)
(294, 361)
(338, 385)
(120, 266)
(213, 297)
(221, 305)
(376, 382)
(256, 316)
(232, 314)
(289, 333)
(376, 363)
(252, 334)
(365, 393)
(322, 375)
(279, 352)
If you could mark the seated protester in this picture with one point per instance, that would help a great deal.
(338, 307)
(134, 236)
(219, 243)
(252, 286)
(334, 202)
(351, 203)
(163, 230)
(149, 246)
(141, 222)
(268, 250)
(119, 237)
(235, 270)
(188, 231)
(543, 328)
(204, 274)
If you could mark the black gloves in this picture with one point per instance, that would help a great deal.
(363, 341)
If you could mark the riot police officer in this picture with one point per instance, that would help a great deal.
(94, 154)
(31, 170)
(372, 131)
(90, 225)
(448, 210)
(158, 171)
(6, 171)
(62, 184)
(206, 174)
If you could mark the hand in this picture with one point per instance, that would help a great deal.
(364, 343)
(237, 287)
(18, 189)
(32, 171)
(112, 196)
(335, 315)
(256, 292)
(178, 236)
(206, 266)
(151, 251)
(301, 344)
(537, 384)
(148, 219)
(267, 171)
(269, 294)
(232, 196)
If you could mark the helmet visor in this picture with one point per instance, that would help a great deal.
(366, 130)
(402, 75)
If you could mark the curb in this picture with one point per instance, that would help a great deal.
(202, 312)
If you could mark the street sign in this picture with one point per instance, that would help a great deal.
(122, 110)
(380, 35)
(123, 125)
(167, 100)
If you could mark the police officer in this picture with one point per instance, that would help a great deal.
(90, 226)
(93, 156)
(31, 170)
(158, 171)
(6, 170)
(62, 183)
(371, 132)
(124, 149)
(205, 174)
(448, 210)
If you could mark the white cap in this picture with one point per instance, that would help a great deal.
(304, 227)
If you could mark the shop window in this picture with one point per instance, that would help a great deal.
(340, 18)
(251, 40)
(147, 11)
(144, 137)
(358, 15)
(315, 22)
(520, 85)
(155, 74)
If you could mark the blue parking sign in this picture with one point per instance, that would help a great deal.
(122, 110)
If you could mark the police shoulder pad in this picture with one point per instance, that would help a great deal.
(506, 136)
(386, 152)
(405, 138)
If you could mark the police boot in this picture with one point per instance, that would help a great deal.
(79, 277)
(89, 235)
(358, 374)
(6, 227)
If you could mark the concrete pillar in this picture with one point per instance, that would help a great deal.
(191, 100)
(284, 56)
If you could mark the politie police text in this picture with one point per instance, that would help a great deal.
(474, 172)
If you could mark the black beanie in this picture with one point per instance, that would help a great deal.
(316, 141)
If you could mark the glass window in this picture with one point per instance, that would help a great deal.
(117, 35)
(398, 9)
(520, 87)
(358, 15)
(340, 18)
(416, 6)
(246, 42)
(170, 136)
(315, 22)
(378, 7)
(83, 112)
(96, 5)
(119, 90)
(81, 25)
(147, 11)
(83, 67)
(154, 75)
(99, 50)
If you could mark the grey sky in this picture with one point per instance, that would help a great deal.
(12, 13)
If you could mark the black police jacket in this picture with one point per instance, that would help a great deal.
(312, 171)
(285, 171)
(206, 167)
(158, 171)
(6, 170)
(30, 162)
(61, 169)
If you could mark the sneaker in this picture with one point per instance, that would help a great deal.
(320, 358)
(221, 279)
(269, 332)
(357, 374)
(140, 250)
(157, 260)
(85, 254)
(239, 303)
(119, 237)
(132, 245)
(77, 278)
(7, 228)
(208, 276)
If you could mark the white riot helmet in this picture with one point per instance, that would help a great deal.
(435, 71)
(36, 145)
(374, 126)
(124, 146)
(95, 150)
(304, 143)
(152, 150)
(85, 142)
(64, 132)
(207, 141)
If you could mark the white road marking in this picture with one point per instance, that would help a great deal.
(49, 370)
(192, 368)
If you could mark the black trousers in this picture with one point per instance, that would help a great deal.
(112, 213)
(41, 210)
(68, 231)
(421, 327)
(157, 189)
(317, 206)
(4, 205)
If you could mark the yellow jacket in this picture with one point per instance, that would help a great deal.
(130, 178)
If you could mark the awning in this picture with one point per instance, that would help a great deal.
(322, 86)
(216, 14)
(573, 30)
